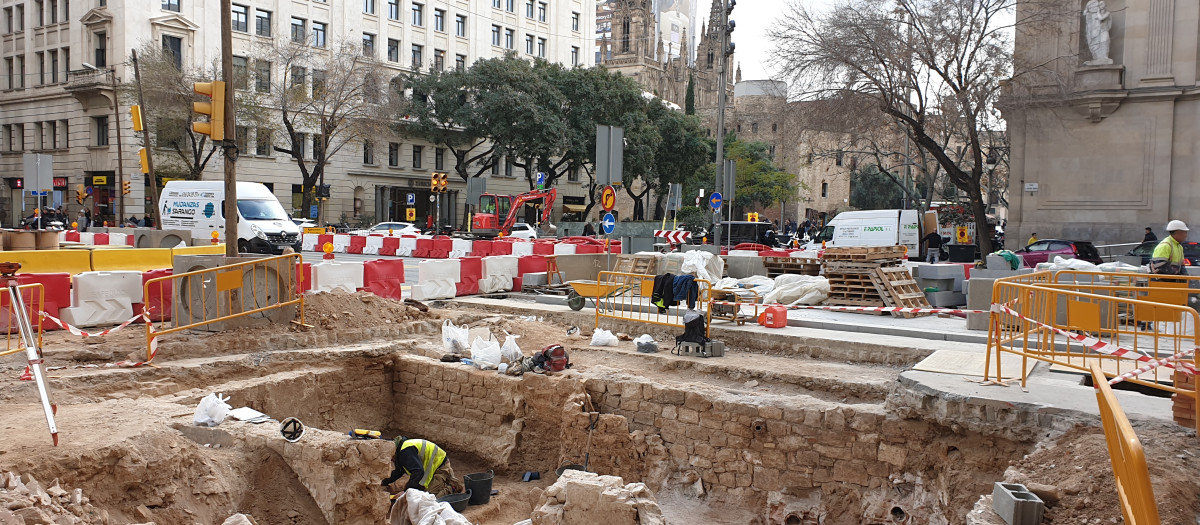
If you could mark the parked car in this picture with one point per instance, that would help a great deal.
(1191, 252)
(1045, 250)
(522, 230)
(304, 223)
(397, 229)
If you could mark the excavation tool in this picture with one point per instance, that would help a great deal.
(8, 272)
(587, 454)
(360, 433)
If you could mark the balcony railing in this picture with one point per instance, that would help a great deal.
(89, 79)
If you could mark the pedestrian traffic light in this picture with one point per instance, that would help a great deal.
(125, 187)
(136, 113)
(144, 160)
(323, 191)
(214, 110)
(80, 193)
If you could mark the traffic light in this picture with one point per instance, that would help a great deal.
(80, 193)
(214, 110)
(323, 191)
(125, 187)
(729, 27)
(144, 160)
(433, 183)
(135, 112)
(442, 181)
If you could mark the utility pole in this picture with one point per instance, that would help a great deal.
(137, 76)
(722, 62)
(229, 149)
(120, 154)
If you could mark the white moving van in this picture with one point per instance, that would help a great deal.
(871, 228)
(199, 206)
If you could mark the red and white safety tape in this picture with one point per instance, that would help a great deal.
(144, 316)
(1153, 364)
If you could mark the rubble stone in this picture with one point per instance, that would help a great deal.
(585, 498)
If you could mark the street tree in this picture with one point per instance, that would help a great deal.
(442, 108)
(871, 189)
(332, 95)
(178, 151)
(915, 60)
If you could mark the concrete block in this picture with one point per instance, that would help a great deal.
(346, 276)
(715, 250)
(741, 267)
(946, 299)
(979, 293)
(534, 279)
(942, 271)
(997, 274)
(161, 238)
(1016, 505)
(943, 285)
(996, 262)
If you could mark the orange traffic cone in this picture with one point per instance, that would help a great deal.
(28, 375)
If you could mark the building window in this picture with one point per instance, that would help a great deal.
(439, 59)
(173, 46)
(262, 76)
(41, 58)
(39, 14)
(393, 50)
(241, 76)
(439, 159)
(319, 34)
(368, 153)
(439, 20)
(54, 67)
(298, 74)
(417, 56)
(528, 44)
(368, 49)
(542, 47)
(508, 168)
(20, 18)
(838, 160)
(100, 125)
(496, 4)
(754, 127)
(9, 73)
(529, 9)
(772, 152)
(318, 83)
(510, 39)
(495, 35)
(8, 21)
(21, 71)
(393, 154)
(369, 7)
(573, 174)
(170, 5)
(242, 138)
(574, 55)
(394, 9)
(262, 142)
(262, 23)
(298, 30)
(417, 151)
(101, 51)
(460, 25)
(575, 22)
(460, 62)
(510, 6)
(418, 15)
(824, 190)
(318, 148)
(241, 18)
(496, 169)
(541, 11)
(774, 127)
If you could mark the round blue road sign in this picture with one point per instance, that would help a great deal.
(608, 223)
(714, 200)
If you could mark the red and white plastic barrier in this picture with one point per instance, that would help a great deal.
(346, 276)
(436, 280)
(102, 298)
(384, 277)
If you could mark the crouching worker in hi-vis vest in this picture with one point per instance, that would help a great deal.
(426, 465)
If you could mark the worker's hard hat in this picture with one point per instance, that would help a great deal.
(1176, 226)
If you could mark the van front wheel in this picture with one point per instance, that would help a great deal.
(243, 246)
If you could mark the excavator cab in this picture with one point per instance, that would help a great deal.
(496, 212)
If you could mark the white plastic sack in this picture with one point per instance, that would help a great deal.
(1113, 267)
(1067, 264)
(726, 283)
(509, 351)
(211, 411)
(454, 338)
(702, 264)
(602, 337)
(798, 289)
(485, 354)
(646, 344)
(417, 507)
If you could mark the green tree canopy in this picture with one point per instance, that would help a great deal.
(871, 189)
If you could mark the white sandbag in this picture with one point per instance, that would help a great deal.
(509, 351)
(602, 337)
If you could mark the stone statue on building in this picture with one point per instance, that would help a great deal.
(1097, 23)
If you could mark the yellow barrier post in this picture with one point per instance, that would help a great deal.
(225, 293)
(1126, 455)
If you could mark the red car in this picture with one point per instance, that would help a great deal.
(1045, 250)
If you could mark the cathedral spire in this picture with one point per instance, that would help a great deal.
(738, 77)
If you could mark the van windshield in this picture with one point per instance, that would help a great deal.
(261, 210)
(825, 235)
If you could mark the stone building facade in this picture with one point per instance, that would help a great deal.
(58, 60)
(1103, 147)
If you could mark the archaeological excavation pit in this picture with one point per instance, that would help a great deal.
(780, 431)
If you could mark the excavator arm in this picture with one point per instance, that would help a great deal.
(519, 201)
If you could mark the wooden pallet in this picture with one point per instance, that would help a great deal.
(896, 285)
(863, 253)
(777, 266)
(836, 266)
(639, 264)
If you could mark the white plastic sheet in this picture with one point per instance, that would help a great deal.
(703, 265)
(1068, 264)
(798, 289)
(417, 507)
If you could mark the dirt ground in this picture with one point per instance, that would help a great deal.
(126, 419)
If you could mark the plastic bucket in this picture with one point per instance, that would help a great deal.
(480, 487)
(458, 502)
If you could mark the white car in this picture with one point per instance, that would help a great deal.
(523, 230)
(397, 229)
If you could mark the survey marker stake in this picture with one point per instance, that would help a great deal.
(34, 353)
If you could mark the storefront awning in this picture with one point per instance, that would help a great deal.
(574, 208)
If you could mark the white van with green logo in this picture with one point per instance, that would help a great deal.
(199, 206)
(871, 228)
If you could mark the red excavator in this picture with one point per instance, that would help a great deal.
(498, 213)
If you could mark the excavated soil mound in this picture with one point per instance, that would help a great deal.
(341, 310)
(1075, 469)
